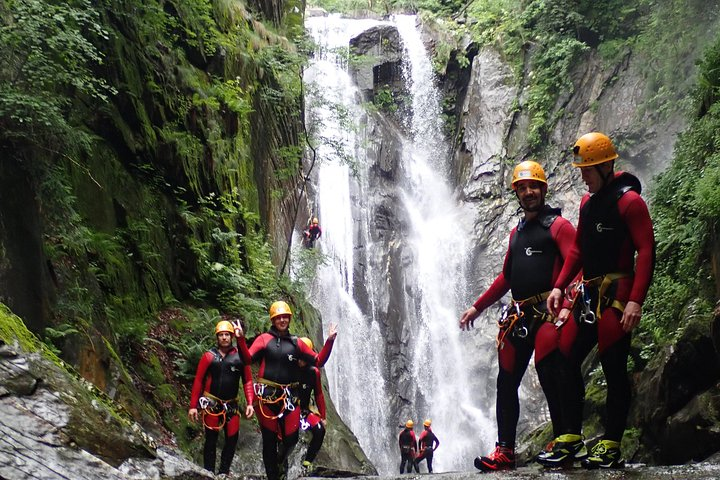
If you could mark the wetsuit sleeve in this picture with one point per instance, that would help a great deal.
(257, 349)
(319, 396)
(414, 441)
(436, 442)
(563, 233)
(573, 260)
(248, 385)
(324, 354)
(197, 388)
(421, 437)
(243, 350)
(499, 287)
(634, 212)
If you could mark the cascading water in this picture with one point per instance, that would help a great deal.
(434, 245)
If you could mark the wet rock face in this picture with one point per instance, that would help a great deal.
(677, 398)
(380, 51)
(53, 426)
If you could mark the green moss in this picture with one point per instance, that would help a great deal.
(12, 329)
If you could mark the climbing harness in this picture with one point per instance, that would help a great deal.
(516, 321)
(270, 393)
(215, 407)
(582, 293)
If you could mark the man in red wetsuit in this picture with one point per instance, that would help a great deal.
(408, 448)
(535, 254)
(613, 227)
(277, 387)
(215, 395)
(428, 443)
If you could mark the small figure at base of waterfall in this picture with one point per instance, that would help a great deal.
(276, 390)
(614, 248)
(312, 233)
(428, 443)
(537, 247)
(215, 396)
(408, 448)
(312, 417)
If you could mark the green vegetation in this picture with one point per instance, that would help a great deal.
(143, 128)
(686, 209)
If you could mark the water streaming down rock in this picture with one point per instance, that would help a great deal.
(396, 247)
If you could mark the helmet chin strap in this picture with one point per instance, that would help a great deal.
(606, 178)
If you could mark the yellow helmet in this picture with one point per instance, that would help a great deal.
(592, 149)
(307, 342)
(315, 221)
(224, 326)
(279, 308)
(528, 170)
(409, 424)
(427, 422)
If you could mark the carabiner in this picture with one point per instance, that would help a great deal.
(521, 332)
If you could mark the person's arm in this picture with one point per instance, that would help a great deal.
(198, 386)
(498, 288)
(257, 349)
(436, 442)
(571, 266)
(324, 354)
(249, 390)
(635, 214)
(319, 396)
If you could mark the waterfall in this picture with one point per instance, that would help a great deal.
(435, 248)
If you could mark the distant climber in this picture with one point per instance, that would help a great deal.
(408, 448)
(428, 443)
(312, 233)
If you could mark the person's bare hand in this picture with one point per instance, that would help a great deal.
(238, 329)
(332, 331)
(554, 301)
(631, 316)
(467, 320)
(249, 411)
(193, 414)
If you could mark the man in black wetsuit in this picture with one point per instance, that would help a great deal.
(215, 395)
(428, 443)
(408, 448)
(537, 247)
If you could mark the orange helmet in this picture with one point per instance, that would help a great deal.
(528, 170)
(427, 422)
(592, 149)
(279, 308)
(315, 221)
(307, 342)
(224, 326)
(409, 424)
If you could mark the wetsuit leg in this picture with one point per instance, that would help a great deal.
(231, 440)
(270, 454)
(585, 338)
(405, 460)
(429, 457)
(318, 435)
(513, 358)
(547, 360)
(614, 349)
(211, 438)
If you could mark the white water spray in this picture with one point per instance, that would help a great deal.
(438, 361)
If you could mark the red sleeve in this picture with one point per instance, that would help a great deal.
(248, 385)
(257, 348)
(573, 261)
(324, 355)
(319, 396)
(499, 287)
(634, 213)
(422, 435)
(198, 383)
(563, 233)
(244, 352)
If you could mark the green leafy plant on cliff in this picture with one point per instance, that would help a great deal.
(686, 209)
(48, 60)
